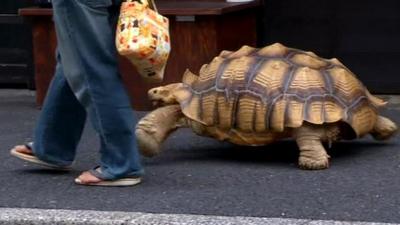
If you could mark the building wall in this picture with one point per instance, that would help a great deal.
(365, 35)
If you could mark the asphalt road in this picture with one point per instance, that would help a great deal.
(196, 175)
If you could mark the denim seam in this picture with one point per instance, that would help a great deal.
(91, 103)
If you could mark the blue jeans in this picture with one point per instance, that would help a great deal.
(87, 82)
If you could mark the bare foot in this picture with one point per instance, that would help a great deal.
(23, 149)
(87, 178)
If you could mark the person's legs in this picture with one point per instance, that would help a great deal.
(60, 124)
(86, 42)
(58, 128)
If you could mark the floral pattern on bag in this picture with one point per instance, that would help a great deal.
(143, 37)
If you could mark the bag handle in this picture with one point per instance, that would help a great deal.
(151, 3)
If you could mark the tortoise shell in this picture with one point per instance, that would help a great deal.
(273, 88)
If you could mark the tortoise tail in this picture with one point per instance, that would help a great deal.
(377, 102)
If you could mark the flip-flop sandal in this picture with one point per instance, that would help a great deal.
(33, 159)
(122, 182)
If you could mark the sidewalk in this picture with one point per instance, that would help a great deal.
(200, 176)
(85, 217)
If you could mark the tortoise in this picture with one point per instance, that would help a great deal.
(255, 96)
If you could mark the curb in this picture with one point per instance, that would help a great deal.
(24, 216)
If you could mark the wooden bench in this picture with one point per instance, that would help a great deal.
(199, 31)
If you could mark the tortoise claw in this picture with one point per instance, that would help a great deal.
(312, 164)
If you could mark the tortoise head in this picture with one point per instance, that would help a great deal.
(164, 95)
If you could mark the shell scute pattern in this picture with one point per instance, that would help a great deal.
(294, 114)
(345, 85)
(270, 77)
(208, 107)
(225, 111)
(308, 60)
(269, 89)
(245, 113)
(305, 82)
(234, 75)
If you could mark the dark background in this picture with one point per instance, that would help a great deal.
(15, 46)
(364, 35)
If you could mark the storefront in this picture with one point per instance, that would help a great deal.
(363, 35)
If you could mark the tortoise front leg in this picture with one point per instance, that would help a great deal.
(154, 128)
(313, 155)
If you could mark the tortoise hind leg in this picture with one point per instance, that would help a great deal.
(313, 155)
(154, 128)
(384, 128)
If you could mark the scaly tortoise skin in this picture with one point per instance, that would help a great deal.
(257, 96)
